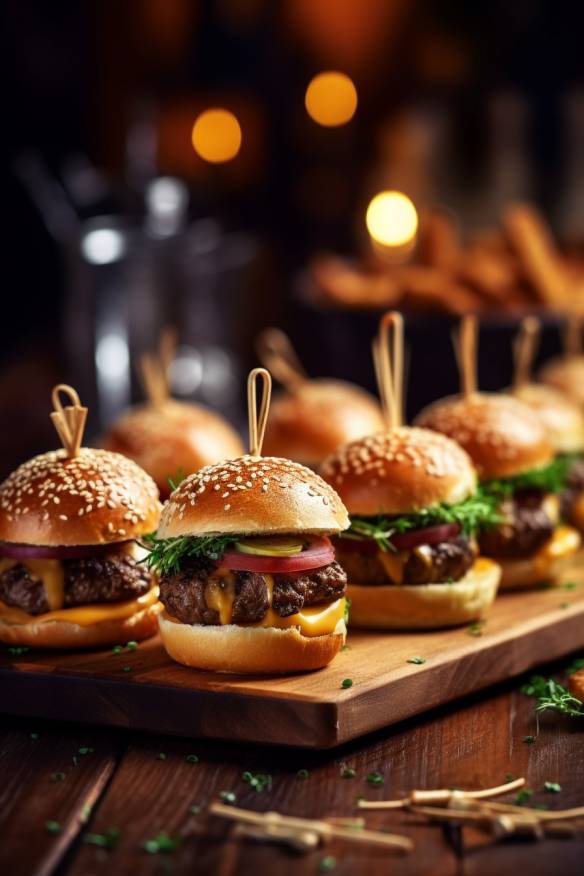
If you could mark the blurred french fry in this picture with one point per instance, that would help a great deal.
(439, 242)
(435, 289)
(339, 283)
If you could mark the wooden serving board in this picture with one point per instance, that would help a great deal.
(311, 710)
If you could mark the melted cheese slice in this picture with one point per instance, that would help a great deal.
(565, 540)
(84, 615)
(393, 563)
(318, 620)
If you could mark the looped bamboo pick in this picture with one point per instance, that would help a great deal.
(276, 353)
(465, 348)
(69, 421)
(257, 421)
(388, 359)
(442, 796)
(154, 368)
(524, 349)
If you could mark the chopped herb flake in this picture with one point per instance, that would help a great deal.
(162, 842)
(131, 646)
(161, 755)
(325, 865)
(192, 758)
(476, 629)
(375, 778)
(117, 649)
(523, 796)
(58, 777)
(302, 774)
(347, 682)
(417, 660)
(52, 827)
(18, 650)
(86, 750)
(107, 840)
(348, 773)
(258, 781)
(227, 796)
(552, 787)
(553, 696)
(529, 739)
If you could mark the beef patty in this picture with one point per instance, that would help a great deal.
(184, 593)
(426, 564)
(526, 528)
(112, 578)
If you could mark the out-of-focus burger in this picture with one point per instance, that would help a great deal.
(71, 574)
(566, 374)
(518, 469)
(311, 418)
(410, 553)
(172, 439)
(168, 438)
(248, 576)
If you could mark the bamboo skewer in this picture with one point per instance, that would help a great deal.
(465, 348)
(388, 359)
(324, 829)
(154, 368)
(277, 354)
(524, 349)
(573, 336)
(442, 796)
(69, 421)
(257, 421)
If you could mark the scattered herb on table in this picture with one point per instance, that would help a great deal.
(162, 842)
(86, 750)
(58, 777)
(126, 668)
(523, 796)
(18, 650)
(510, 778)
(418, 661)
(192, 758)
(258, 781)
(195, 809)
(117, 649)
(347, 682)
(348, 773)
(552, 787)
(52, 826)
(161, 755)
(570, 585)
(374, 778)
(227, 796)
(529, 739)
(302, 774)
(345, 647)
(565, 605)
(131, 646)
(476, 628)
(327, 864)
(34, 736)
(553, 696)
(107, 840)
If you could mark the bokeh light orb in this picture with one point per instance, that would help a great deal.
(331, 99)
(391, 219)
(216, 135)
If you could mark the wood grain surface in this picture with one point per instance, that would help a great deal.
(143, 784)
(312, 710)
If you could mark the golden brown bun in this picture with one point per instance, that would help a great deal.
(173, 436)
(61, 634)
(544, 567)
(318, 417)
(97, 497)
(399, 471)
(576, 685)
(243, 650)
(562, 419)
(502, 436)
(253, 495)
(427, 606)
(565, 373)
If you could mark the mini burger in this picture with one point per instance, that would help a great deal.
(248, 576)
(310, 418)
(70, 570)
(410, 553)
(515, 460)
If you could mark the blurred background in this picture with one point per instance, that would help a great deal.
(214, 165)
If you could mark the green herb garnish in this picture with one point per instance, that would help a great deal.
(476, 629)
(348, 773)
(552, 787)
(418, 661)
(523, 796)
(18, 650)
(192, 758)
(162, 842)
(547, 479)
(58, 777)
(107, 840)
(258, 781)
(553, 697)
(177, 478)
(161, 755)
(167, 554)
(86, 750)
(227, 796)
(302, 774)
(131, 646)
(347, 682)
(529, 740)
(52, 826)
(374, 778)
(325, 865)
(476, 512)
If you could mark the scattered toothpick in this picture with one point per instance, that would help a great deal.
(442, 796)
(524, 349)
(277, 354)
(154, 368)
(465, 348)
(69, 421)
(289, 828)
(257, 421)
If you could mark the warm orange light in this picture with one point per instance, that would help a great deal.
(216, 135)
(391, 219)
(331, 99)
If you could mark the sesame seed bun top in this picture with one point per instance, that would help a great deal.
(502, 436)
(562, 419)
(94, 498)
(565, 373)
(317, 417)
(400, 471)
(171, 437)
(253, 494)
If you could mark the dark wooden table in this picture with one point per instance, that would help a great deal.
(90, 780)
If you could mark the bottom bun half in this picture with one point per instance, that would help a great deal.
(549, 564)
(66, 635)
(426, 606)
(248, 650)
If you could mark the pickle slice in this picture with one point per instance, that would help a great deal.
(276, 546)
